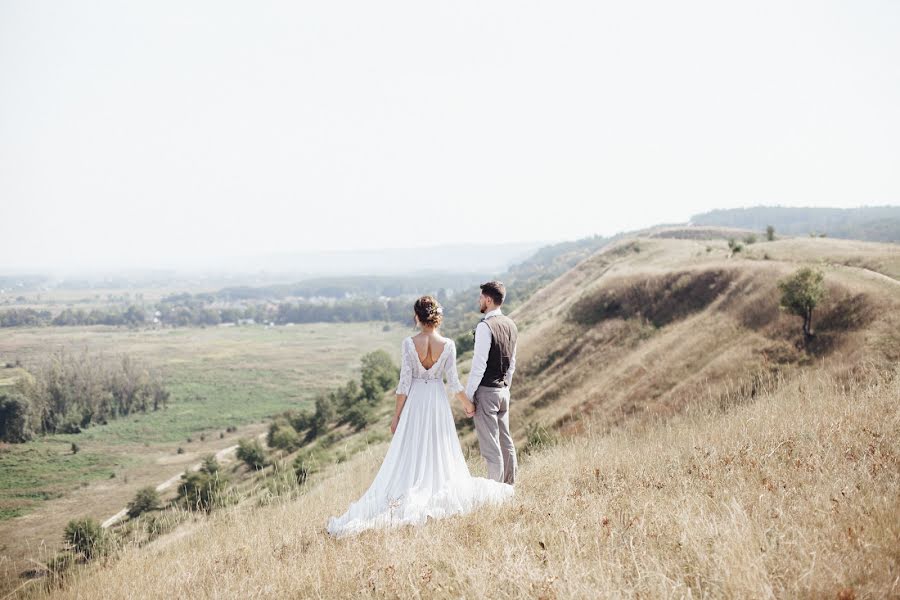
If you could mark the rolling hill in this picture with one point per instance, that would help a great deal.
(677, 438)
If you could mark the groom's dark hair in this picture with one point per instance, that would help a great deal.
(494, 290)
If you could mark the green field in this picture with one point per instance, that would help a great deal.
(218, 377)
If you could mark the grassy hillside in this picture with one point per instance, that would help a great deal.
(692, 446)
(696, 320)
(793, 494)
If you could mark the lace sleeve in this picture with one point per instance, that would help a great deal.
(405, 371)
(450, 370)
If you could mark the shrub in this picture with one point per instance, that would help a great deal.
(770, 233)
(14, 426)
(750, 239)
(734, 245)
(146, 499)
(71, 424)
(200, 490)
(210, 464)
(84, 536)
(283, 435)
(251, 453)
(358, 416)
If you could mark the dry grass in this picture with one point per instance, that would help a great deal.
(629, 335)
(706, 455)
(794, 494)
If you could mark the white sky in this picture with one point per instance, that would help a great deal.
(134, 132)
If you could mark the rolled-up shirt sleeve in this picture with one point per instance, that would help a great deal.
(479, 358)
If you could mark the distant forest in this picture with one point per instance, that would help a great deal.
(389, 298)
(333, 299)
(186, 310)
(869, 223)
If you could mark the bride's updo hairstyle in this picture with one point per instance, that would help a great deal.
(429, 311)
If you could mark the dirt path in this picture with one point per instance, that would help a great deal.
(225, 455)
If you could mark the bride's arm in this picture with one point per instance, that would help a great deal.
(453, 381)
(401, 399)
(402, 386)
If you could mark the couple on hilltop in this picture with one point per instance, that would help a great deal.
(424, 473)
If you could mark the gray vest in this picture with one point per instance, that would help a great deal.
(503, 341)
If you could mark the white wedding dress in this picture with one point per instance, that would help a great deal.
(424, 473)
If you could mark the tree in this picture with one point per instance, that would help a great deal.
(770, 233)
(134, 315)
(465, 342)
(800, 293)
(320, 419)
(379, 374)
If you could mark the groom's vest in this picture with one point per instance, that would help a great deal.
(503, 343)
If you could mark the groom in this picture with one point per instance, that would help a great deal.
(488, 387)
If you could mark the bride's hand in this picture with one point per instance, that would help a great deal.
(469, 408)
(467, 405)
(394, 422)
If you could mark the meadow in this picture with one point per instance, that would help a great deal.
(219, 377)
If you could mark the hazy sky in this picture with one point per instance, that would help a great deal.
(140, 132)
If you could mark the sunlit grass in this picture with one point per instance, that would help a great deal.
(793, 494)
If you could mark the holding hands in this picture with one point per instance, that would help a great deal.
(467, 405)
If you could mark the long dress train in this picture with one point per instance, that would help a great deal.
(424, 473)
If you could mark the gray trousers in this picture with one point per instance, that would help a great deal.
(494, 439)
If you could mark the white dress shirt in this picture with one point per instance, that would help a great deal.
(480, 356)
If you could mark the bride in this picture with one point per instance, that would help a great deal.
(424, 473)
